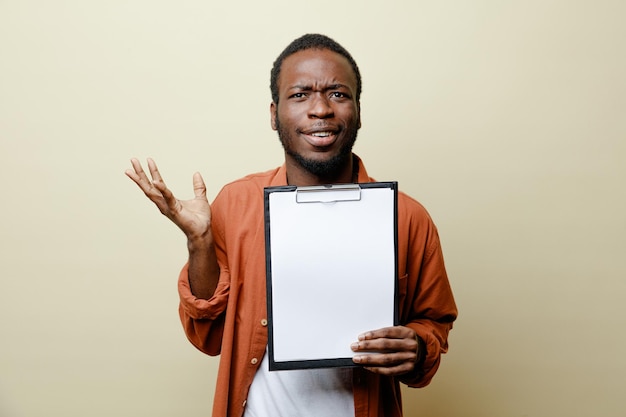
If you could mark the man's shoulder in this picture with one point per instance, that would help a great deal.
(411, 208)
(257, 179)
(249, 187)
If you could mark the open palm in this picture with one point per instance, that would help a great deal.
(193, 216)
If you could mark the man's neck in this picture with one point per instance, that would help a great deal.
(298, 176)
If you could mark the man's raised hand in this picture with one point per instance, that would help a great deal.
(193, 216)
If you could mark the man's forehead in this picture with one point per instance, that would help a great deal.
(317, 65)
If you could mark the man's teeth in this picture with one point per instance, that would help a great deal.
(321, 134)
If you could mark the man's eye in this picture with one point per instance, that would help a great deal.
(298, 95)
(338, 94)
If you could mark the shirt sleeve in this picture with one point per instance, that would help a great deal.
(431, 309)
(203, 320)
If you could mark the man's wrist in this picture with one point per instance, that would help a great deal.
(200, 242)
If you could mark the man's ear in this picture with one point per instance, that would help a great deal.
(273, 109)
(358, 110)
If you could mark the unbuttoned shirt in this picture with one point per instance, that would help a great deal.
(233, 322)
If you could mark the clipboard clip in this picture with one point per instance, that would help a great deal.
(328, 193)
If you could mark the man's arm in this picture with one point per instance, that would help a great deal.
(193, 217)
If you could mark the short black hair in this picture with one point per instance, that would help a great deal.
(312, 41)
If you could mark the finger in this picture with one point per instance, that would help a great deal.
(388, 364)
(139, 176)
(157, 181)
(395, 332)
(386, 345)
(170, 200)
(132, 175)
(387, 339)
(384, 360)
(154, 170)
(199, 188)
(400, 369)
(138, 168)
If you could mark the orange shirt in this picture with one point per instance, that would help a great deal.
(233, 323)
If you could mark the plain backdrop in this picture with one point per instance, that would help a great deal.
(506, 119)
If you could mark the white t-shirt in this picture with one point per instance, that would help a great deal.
(303, 393)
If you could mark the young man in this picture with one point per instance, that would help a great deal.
(315, 108)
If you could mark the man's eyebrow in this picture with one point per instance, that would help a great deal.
(336, 86)
(300, 87)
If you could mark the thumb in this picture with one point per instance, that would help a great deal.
(199, 189)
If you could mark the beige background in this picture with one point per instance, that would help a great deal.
(506, 119)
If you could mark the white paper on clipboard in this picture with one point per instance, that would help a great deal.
(331, 270)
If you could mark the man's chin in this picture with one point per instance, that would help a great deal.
(323, 165)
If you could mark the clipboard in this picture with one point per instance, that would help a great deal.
(331, 268)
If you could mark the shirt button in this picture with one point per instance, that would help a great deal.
(254, 361)
(263, 322)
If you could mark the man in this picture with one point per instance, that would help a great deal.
(316, 87)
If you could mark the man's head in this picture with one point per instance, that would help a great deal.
(316, 109)
(311, 41)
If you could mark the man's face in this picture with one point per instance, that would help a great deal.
(317, 115)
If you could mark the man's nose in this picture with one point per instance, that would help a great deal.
(320, 107)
